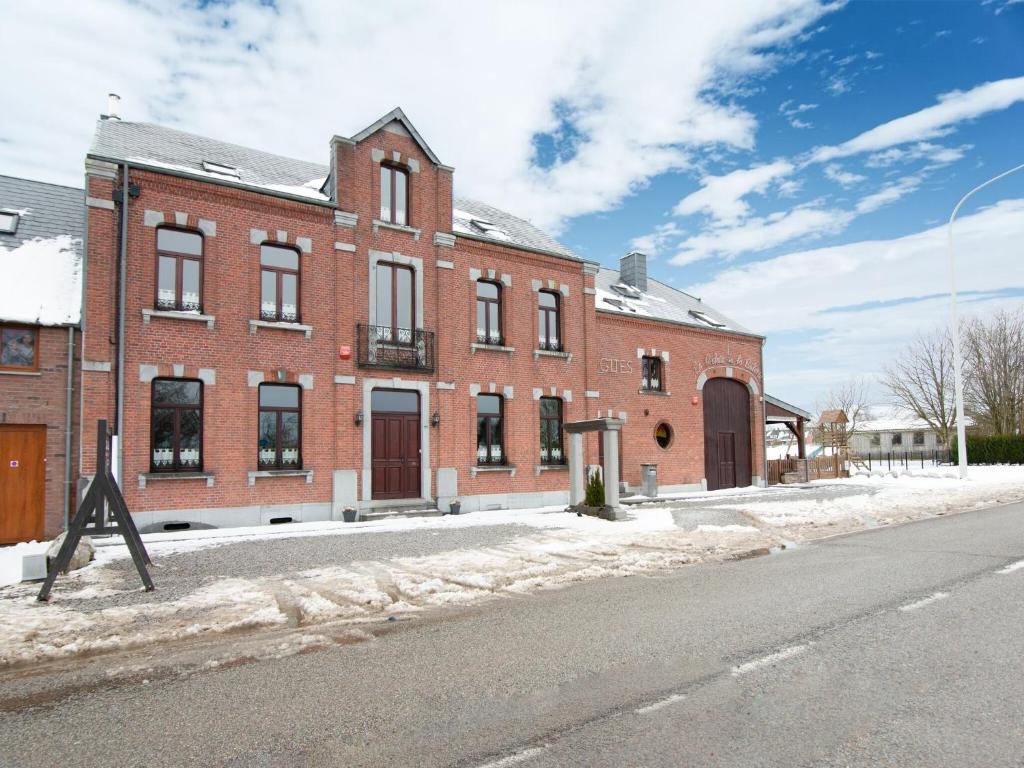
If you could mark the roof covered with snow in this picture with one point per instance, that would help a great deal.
(659, 302)
(476, 219)
(889, 418)
(41, 262)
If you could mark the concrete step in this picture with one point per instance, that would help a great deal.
(417, 509)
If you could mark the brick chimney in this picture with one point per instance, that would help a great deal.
(633, 270)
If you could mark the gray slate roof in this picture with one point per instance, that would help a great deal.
(660, 302)
(141, 142)
(52, 210)
(160, 147)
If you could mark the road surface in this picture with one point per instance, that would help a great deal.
(898, 646)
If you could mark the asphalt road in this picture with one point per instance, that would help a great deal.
(898, 646)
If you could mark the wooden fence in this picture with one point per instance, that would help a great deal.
(793, 470)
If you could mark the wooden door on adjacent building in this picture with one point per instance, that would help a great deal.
(22, 482)
(395, 444)
(727, 454)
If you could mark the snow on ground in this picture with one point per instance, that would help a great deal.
(561, 551)
(11, 560)
(555, 550)
(879, 498)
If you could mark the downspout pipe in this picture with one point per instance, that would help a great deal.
(67, 425)
(121, 291)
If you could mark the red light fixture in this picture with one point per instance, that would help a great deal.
(695, 400)
(345, 353)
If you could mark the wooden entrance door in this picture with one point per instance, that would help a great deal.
(395, 444)
(22, 482)
(727, 453)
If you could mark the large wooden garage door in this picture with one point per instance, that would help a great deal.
(727, 459)
(22, 482)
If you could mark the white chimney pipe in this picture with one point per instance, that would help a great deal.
(113, 102)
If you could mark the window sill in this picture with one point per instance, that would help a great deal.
(538, 353)
(196, 317)
(655, 392)
(145, 477)
(306, 473)
(20, 373)
(378, 225)
(478, 468)
(280, 325)
(490, 347)
(549, 467)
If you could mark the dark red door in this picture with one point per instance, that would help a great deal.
(727, 454)
(395, 445)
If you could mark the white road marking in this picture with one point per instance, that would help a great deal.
(924, 601)
(1012, 567)
(771, 658)
(518, 757)
(659, 704)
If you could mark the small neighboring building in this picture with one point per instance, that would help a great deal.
(891, 429)
(40, 307)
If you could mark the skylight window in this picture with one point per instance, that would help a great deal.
(220, 169)
(705, 318)
(619, 304)
(8, 222)
(490, 229)
(629, 291)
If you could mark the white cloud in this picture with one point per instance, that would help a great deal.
(653, 243)
(480, 80)
(761, 233)
(937, 120)
(889, 193)
(833, 312)
(722, 196)
(835, 172)
(933, 154)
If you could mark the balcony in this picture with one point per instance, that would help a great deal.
(380, 346)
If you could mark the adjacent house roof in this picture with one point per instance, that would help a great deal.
(659, 302)
(479, 220)
(41, 261)
(889, 418)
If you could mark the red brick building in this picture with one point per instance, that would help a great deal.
(293, 338)
(40, 303)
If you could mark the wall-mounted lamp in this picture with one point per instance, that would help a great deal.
(359, 418)
(695, 400)
(435, 419)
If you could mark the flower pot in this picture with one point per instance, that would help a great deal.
(454, 507)
(350, 514)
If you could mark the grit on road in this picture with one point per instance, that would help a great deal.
(896, 646)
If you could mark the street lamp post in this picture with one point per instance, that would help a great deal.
(958, 379)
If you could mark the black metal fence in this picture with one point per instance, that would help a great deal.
(907, 459)
(380, 346)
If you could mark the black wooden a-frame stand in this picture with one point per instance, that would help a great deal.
(91, 519)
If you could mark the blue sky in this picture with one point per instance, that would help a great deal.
(790, 161)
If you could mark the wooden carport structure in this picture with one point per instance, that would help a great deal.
(779, 412)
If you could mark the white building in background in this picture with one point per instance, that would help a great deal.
(891, 429)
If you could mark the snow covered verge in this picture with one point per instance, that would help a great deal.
(868, 500)
(564, 550)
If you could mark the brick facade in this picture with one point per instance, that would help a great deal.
(339, 241)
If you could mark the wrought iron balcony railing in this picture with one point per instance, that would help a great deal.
(380, 346)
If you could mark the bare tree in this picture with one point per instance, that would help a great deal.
(850, 397)
(994, 372)
(921, 382)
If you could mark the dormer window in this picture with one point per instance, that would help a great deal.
(8, 222)
(220, 169)
(706, 318)
(394, 195)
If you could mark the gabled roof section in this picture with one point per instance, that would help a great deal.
(659, 302)
(41, 263)
(397, 115)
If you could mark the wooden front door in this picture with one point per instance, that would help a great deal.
(727, 450)
(395, 444)
(22, 482)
